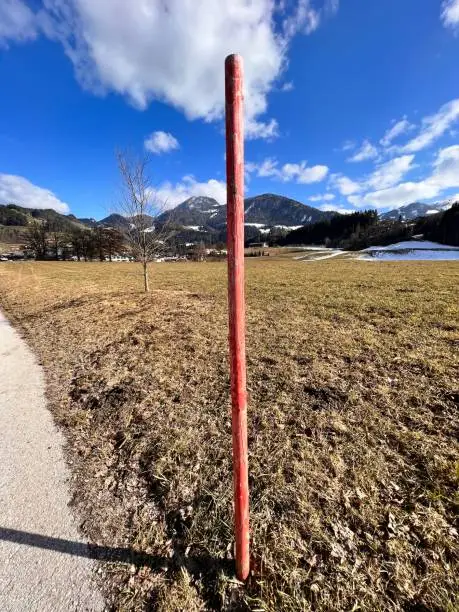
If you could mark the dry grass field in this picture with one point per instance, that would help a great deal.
(353, 428)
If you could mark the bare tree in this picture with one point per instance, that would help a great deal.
(57, 237)
(114, 242)
(76, 242)
(99, 241)
(199, 252)
(145, 232)
(37, 238)
(88, 246)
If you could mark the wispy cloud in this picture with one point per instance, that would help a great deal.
(390, 172)
(385, 175)
(289, 86)
(399, 128)
(17, 22)
(444, 175)
(348, 145)
(366, 151)
(433, 127)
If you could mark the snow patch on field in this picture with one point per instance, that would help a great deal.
(413, 245)
(312, 248)
(419, 250)
(334, 254)
(450, 255)
(321, 255)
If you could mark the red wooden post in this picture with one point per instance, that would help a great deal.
(236, 301)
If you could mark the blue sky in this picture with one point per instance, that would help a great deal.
(350, 104)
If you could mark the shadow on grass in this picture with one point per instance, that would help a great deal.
(194, 564)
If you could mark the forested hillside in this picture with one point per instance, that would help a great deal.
(364, 229)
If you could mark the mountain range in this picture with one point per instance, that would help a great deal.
(262, 212)
(412, 211)
(203, 218)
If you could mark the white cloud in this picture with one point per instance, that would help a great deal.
(397, 196)
(170, 194)
(384, 176)
(344, 184)
(18, 190)
(445, 175)
(355, 200)
(300, 173)
(390, 173)
(336, 208)
(446, 165)
(17, 22)
(161, 142)
(327, 197)
(433, 127)
(450, 13)
(260, 129)
(366, 151)
(268, 167)
(399, 128)
(174, 52)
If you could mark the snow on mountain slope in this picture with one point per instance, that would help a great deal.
(416, 209)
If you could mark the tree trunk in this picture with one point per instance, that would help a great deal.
(145, 277)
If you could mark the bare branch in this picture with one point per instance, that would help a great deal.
(147, 231)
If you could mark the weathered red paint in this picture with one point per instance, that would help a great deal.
(236, 301)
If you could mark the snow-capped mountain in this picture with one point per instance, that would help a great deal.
(261, 212)
(197, 211)
(416, 209)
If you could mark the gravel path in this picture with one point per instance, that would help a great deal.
(44, 563)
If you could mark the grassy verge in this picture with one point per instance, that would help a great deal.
(354, 454)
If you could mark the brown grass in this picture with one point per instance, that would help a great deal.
(353, 431)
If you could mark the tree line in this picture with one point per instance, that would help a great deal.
(48, 239)
(443, 227)
(363, 229)
(339, 231)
